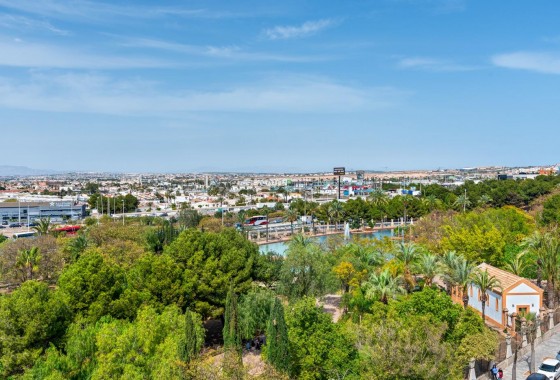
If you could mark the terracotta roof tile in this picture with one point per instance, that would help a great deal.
(506, 278)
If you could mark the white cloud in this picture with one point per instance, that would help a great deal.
(97, 11)
(541, 62)
(220, 52)
(21, 22)
(19, 53)
(306, 29)
(432, 64)
(86, 93)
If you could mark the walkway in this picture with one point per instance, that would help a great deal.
(545, 350)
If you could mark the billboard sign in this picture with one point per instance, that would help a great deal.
(339, 171)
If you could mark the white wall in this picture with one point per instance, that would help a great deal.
(512, 301)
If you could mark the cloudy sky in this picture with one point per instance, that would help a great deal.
(267, 85)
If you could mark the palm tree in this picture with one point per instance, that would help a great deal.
(28, 261)
(462, 201)
(549, 257)
(300, 240)
(382, 286)
(533, 245)
(431, 202)
(517, 264)
(460, 274)
(484, 200)
(485, 283)
(336, 211)
(449, 260)
(378, 197)
(78, 246)
(43, 227)
(291, 216)
(429, 266)
(406, 256)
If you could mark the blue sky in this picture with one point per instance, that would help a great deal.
(289, 85)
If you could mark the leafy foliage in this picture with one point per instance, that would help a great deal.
(210, 262)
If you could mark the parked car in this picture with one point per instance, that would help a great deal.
(550, 368)
(537, 376)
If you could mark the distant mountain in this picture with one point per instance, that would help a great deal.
(9, 171)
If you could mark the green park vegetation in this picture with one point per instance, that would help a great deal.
(134, 301)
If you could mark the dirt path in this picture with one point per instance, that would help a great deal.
(331, 304)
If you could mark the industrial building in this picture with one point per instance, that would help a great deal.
(25, 212)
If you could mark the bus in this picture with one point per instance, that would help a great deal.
(70, 230)
(18, 235)
(259, 220)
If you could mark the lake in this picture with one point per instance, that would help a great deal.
(281, 246)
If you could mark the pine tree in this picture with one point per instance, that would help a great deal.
(277, 352)
(189, 343)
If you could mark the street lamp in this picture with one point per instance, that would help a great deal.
(123, 211)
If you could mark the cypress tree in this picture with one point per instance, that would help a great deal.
(277, 352)
(233, 363)
(189, 343)
(231, 331)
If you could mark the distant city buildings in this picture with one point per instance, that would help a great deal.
(33, 211)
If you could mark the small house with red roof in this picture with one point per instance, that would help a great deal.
(516, 295)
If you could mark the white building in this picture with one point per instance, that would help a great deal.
(517, 295)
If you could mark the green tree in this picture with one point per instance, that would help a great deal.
(189, 345)
(416, 346)
(406, 256)
(254, 311)
(429, 266)
(378, 198)
(232, 336)
(319, 348)
(517, 264)
(31, 318)
(210, 262)
(91, 287)
(78, 246)
(277, 344)
(189, 218)
(336, 211)
(147, 348)
(462, 202)
(153, 280)
(28, 262)
(551, 210)
(431, 202)
(459, 273)
(382, 287)
(291, 216)
(436, 305)
(306, 270)
(43, 226)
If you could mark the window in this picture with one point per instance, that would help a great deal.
(470, 291)
(496, 304)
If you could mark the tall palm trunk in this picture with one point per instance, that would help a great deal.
(29, 271)
(539, 273)
(483, 299)
(465, 298)
(550, 293)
